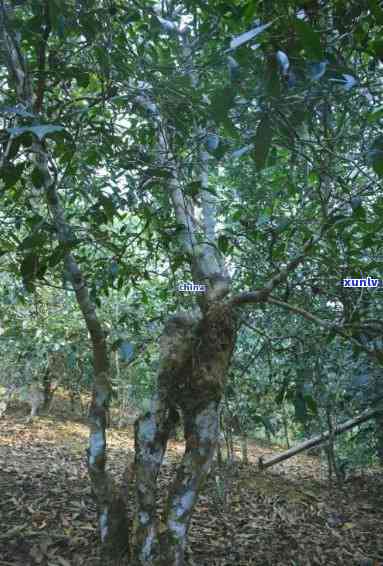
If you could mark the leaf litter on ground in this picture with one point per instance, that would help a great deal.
(287, 515)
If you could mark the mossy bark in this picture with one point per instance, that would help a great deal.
(195, 357)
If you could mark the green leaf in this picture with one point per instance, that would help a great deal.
(375, 155)
(311, 404)
(103, 59)
(247, 36)
(82, 79)
(359, 213)
(222, 101)
(377, 48)
(5, 251)
(11, 174)
(249, 12)
(65, 147)
(298, 116)
(375, 116)
(211, 190)
(313, 177)
(237, 215)
(108, 206)
(309, 39)
(159, 172)
(33, 241)
(178, 261)
(223, 243)
(376, 10)
(262, 142)
(144, 297)
(279, 251)
(37, 178)
(40, 131)
(231, 131)
(57, 256)
(28, 266)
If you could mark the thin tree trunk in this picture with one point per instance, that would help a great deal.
(47, 385)
(285, 426)
(230, 448)
(244, 446)
(330, 451)
(112, 521)
(317, 440)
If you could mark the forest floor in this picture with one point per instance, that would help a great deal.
(287, 515)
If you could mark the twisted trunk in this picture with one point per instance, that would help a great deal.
(195, 357)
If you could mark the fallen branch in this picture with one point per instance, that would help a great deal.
(317, 439)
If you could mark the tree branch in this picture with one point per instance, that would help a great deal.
(15, 60)
(205, 261)
(41, 60)
(261, 295)
(376, 355)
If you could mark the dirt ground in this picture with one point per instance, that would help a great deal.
(287, 515)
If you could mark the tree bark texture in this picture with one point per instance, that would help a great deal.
(195, 357)
(379, 436)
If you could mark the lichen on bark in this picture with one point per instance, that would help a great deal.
(195, 353)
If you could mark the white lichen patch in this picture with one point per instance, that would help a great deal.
(206, 467)
(178, 529)
(146, 551)
(154, 459)
(97, 445)
(185, 503)
(207, 423)
(147, 430)
(104, 524)
(143, 517)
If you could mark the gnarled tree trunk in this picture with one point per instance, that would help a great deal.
(195, 357)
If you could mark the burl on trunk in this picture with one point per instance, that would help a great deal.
(195, 356)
